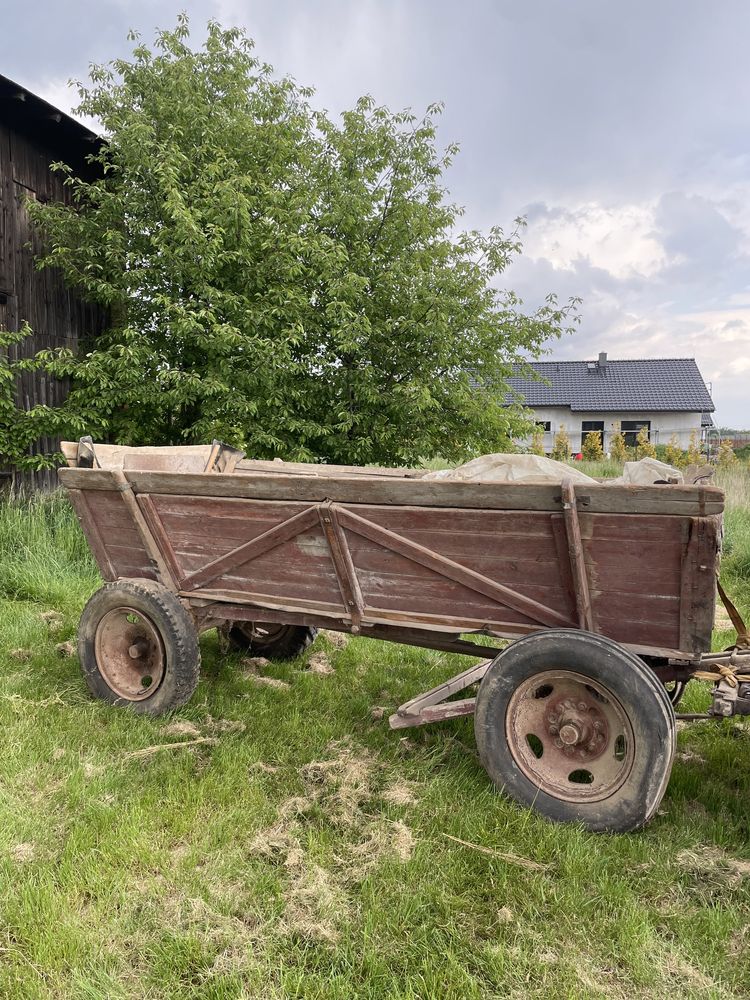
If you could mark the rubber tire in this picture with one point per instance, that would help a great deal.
(178, 635)
(291, 642)
(641, 695)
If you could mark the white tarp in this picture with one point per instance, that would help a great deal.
(647, 471)
(512, 469)
(501, 468)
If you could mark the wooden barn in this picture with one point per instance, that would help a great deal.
(33, 134)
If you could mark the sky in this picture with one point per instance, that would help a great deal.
(619, 131)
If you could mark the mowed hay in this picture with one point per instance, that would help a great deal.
(339, 790)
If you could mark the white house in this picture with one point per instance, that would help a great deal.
(666, 395)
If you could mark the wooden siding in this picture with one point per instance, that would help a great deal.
(58, 317)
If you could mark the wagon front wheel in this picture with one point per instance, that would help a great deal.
(578, 727)
(138, 647)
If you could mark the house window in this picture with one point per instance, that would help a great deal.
(543, 425)
(630, 430)
(592, 425)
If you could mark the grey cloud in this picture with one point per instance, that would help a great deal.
(556, 105)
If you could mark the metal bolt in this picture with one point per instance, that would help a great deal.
(569, 734)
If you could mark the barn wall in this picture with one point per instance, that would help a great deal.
(57, 316)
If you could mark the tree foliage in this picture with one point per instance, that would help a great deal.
(291, 282)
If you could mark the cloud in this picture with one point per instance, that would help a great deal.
(624, 129)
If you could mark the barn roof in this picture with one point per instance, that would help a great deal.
(65, 138)
(640, 384)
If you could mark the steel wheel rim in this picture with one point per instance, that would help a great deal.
(261, 632)
(570, 736)
(129, 653)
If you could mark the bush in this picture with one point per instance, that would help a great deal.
(618, 450)
(726, 457)
(537, 442)
(643, 446)
(693, 454)
(561, 446)
(592, 447)
(673, 454)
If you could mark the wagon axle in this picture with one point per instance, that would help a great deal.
(578, 729)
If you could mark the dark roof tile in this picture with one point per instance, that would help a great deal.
(643, 384)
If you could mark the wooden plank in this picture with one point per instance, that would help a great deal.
(342, 560)
(79, 501)
(250, 550)
(450, 569)
(274, 467)
(161, 538)
(149, 542)
(685, 500)
(577, 559)
(698, 585)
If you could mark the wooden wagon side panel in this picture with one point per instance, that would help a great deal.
(259, 549)
(648, 577)
(513, 550)
(113, 536)
(634, 568)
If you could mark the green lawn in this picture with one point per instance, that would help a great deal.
(287, 844)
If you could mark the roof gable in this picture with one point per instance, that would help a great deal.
(642, 384)
(62, 136)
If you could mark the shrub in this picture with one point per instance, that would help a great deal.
(592, 447)
(561, 446)
(673, 454)
(618, 450)
(643, 446)
(537, 442)
(726, 457)
(693, 454)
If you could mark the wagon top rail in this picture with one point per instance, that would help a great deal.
(692, 501)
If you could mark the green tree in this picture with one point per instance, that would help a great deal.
(618, 449)
(561, 446)
(289, 282)
(592, 449)
(643, 446)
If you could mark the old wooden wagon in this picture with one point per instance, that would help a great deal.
(607, 592)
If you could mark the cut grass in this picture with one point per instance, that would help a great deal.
(303, 850)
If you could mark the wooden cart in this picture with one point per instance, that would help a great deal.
(608, 592)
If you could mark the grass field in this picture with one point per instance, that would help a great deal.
(286, 844)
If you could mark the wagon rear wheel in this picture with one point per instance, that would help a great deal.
(276, 641)
(138, 647)
(577, 727)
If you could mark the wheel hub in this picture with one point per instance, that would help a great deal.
(578, 728)
(570, 736)
(129, 653)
